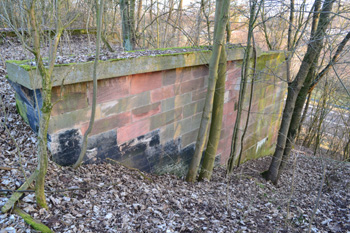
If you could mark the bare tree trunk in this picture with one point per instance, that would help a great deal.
(305, 112)
(250, 103)
(228, 32)
(313, 50)
(127, 10)
(213, 75)
(46, 112)
(157, 19)
(179, 22)
(139, 11)
(296, 118)
(132, 23)
(216, 122)
(243, 84)
(198, 25)
(99, 10)
(46, 74)
(289, 43)
(171, 8)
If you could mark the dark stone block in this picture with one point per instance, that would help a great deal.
(69, 148)
(140, 137)
(187, 152)
(138, 161)
(131, 149)
(144, 153)
(103, 146)
(166, 158)
(154, 140)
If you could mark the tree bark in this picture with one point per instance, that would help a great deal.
(99, 10)
(314, 48)
(216, 122)
(198, 25)
(307, 87)
(228, 32)
(213, 75)
(242, 88)
(128, 25)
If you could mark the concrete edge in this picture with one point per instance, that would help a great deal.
(82, 72)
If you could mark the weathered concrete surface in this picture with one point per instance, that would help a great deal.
(82, 72)
(149, 109)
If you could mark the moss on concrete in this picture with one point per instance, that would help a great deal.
(23, 64)
(21, 109)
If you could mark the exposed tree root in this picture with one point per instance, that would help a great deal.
(37, 225)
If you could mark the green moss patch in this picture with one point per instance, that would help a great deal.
(21, 109)
(37, 225)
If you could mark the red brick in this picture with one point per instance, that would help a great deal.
(224, 156)
(226, 132)
(230, 120)
(108, 123)
(110, 89)
(232, 84)
(162, 93)
(177, 89)
(231, 65)
(199, 94)
(146, 111)
(177, 75)
(200, 71)
(145, 82)
(133, 130)
(222, 145)
(229, 108)
(183, 74)
(233, 74)
(169, 77)
(72, 97)
(192, 85)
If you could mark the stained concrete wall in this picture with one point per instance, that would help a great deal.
(149, 108)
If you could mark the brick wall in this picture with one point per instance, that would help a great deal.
(150, 120)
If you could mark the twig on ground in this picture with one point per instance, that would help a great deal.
(17, 195)
(6, 168)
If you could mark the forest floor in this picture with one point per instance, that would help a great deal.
(112, 198)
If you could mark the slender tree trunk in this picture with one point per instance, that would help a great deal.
(216, 122)
(45, 116)
(289, 43)
(242, 88)
(46, 75)
(157, 19)
(139, 11)
(305, 112)
(250, 103)
(213, 75)
(228, 32)
(99, 9)
(294, 123)
(128, 43)
(334, 60)
(307, 87)
(171, 8)
(198, 25)
(132, 23)
(314, 48)
(179, 22)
